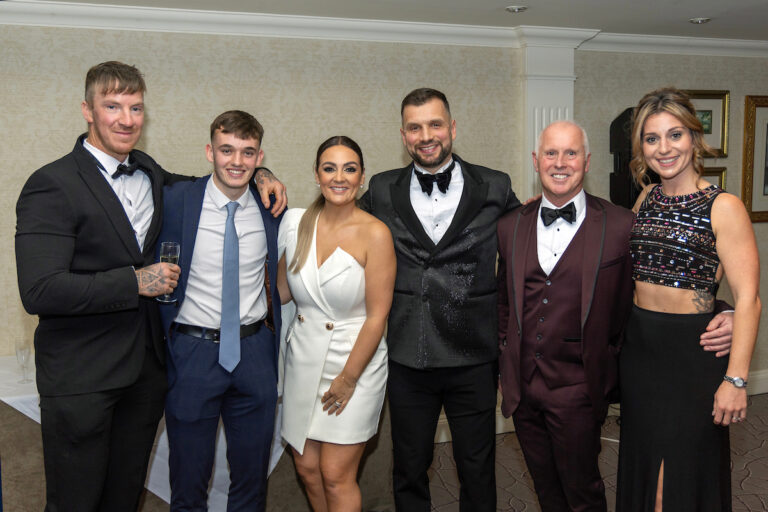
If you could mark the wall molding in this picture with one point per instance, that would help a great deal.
(44, 13)
(639, 43)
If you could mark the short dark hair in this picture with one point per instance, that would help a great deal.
(240, 123)
(418, 97)
(113, 77)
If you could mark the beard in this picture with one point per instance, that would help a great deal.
(445, 152)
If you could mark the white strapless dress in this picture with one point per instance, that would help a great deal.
(330, 310)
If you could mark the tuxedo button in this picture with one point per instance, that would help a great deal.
(504, 342)
(301, 318)
(539, 336)
(538, 355)
(545, 301)
(329, 326)
(541, 319)
(548, 282)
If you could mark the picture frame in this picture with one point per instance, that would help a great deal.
(754, 173)
(712, 108)
(715, 175)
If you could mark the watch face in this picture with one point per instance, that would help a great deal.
(738, 382)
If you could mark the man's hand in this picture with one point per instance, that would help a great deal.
(532, 199)
(717, 336)
(157, 279)
(267, 184)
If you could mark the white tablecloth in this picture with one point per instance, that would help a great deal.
(24, 398)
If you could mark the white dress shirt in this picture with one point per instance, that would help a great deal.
(553, 240)
(202, 297)
(436, 211)
(134, 192)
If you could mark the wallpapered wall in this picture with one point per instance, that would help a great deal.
(302, 91)
(610, 82)
(306, 90)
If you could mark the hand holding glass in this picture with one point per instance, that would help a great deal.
(23, 354)
(169, 253)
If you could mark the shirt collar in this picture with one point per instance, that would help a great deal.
(108, 162)
(579, 202)
(220, 200)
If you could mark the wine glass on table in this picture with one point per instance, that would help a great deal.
(23, 355)
(169, 253)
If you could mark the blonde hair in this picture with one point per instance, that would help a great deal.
(306, 228)
(677, 103)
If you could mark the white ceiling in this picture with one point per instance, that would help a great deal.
(731, 19)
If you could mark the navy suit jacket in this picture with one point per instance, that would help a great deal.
(183, 203)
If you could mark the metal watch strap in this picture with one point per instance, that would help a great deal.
(736, 381)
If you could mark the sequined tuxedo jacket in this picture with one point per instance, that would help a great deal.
(445, 294)
(604, 292)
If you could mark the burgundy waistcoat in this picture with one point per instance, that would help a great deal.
(551, 338)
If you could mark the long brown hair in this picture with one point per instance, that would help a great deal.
(672, 101)
(307, 222)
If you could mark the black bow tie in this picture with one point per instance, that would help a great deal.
(443, 179)
(128, 170)
(550, 215)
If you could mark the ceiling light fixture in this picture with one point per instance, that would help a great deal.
(699, 21)
(515, 9)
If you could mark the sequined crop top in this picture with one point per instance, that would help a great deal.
(672, 242)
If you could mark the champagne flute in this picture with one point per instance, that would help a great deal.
(23, 354)
(169, 253)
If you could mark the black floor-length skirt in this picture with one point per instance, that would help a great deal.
(668, 384)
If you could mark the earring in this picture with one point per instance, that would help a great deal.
(361, 186)
(317, 185)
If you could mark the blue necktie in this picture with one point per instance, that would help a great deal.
(229, 344)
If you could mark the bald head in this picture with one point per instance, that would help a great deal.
(562, 160)
(565, 123)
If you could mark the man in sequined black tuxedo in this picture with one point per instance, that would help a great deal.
(442, 326)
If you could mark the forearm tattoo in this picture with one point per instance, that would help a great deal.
(264, 176)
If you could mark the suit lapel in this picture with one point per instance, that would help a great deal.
(310, 274)
(594, 240)
(401, 202)
(523, 236)
(106, 197)
(157, 199)
(472, 198)
(190, 220)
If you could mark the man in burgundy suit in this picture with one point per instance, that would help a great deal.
(565, 291)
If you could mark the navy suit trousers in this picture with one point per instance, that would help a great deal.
(200, 391)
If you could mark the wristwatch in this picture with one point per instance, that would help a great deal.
(736, 381)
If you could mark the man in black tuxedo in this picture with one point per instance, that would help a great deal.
(442, 213)
(86, 230)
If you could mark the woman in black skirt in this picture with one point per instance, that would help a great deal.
(674, 454)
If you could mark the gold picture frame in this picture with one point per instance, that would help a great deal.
(754, 170)
(715, 175)
(712, 109)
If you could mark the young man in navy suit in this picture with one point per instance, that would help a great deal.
(222, 347)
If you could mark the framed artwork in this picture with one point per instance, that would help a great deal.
(715, 175)
(754, 171)
(712, 111)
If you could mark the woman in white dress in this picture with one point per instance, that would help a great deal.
(339, 268)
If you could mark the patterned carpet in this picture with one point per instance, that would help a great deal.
(749, 458)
